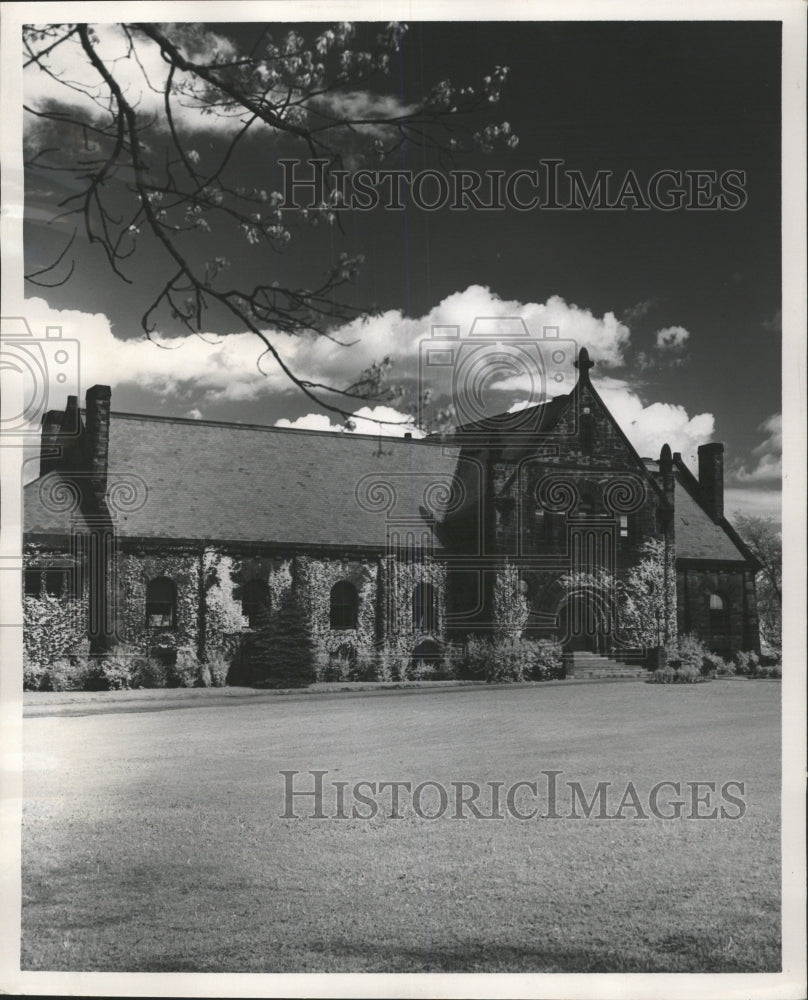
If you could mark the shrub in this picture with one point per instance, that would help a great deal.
(547, 659)
(685, 674)
(688, 650)
(113, 672)
(510, 660)
(713, 664)
(66, 674)
(184, 671)
(32, 672)
(746, 663)
(449, 665)
(767, 671)
(504, 658)
(363, 667)
(217, 663)
(148, 672)
(385, 664)
(475, 660)
(340, 668)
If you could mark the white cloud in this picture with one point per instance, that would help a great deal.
(769, 453)
(142, 79)
(142, 74)
(310, 422)
(213, 369)
(648, 427)
(234, 367)
(672, 338)
(355, 105)
(366, 420)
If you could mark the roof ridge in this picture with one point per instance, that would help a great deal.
(237, 425)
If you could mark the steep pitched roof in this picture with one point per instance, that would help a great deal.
(245, 483)
(698, 536)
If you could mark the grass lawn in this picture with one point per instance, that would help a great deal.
(152, 840)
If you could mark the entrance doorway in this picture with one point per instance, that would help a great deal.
(582, 625)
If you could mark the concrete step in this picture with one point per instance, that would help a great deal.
(588, 665)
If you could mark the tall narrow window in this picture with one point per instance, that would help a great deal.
(254, 601)
(624, 525)
(344, 605)
(717, 613)
(587, 433)
(161, 603)
(424, 608)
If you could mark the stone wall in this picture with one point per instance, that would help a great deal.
(54, 625)
(725, 632)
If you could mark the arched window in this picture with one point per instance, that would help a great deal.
(254, 601)
(717, 613)
(344, 605)
(424, 608)
(161, 603)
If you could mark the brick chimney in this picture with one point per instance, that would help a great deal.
(711, 478)
(96, 430)
(50, 447)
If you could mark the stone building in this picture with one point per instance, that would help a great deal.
(172, 534)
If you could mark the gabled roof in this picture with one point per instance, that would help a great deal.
(252, 484)
(541, 418)
(698, 536)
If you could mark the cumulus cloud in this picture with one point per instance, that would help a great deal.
(650, 426)
(672, 338)
(769, 464)
(366, 420)
(236, 368)
(141, 73)
(209, 370)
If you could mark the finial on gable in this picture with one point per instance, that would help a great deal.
(583, 364)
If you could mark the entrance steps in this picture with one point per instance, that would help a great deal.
(585, 665)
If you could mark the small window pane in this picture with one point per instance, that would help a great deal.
(33, 580)
(424, 608)
(161, 603)
(54, 582)
(254, 601)
(344, 605)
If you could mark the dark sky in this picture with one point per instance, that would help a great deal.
(623, 96)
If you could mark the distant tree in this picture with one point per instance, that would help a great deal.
(142, 183)
(763, 537)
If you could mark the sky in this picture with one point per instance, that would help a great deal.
(680, 310)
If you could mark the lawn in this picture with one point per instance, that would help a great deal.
(153, 840)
